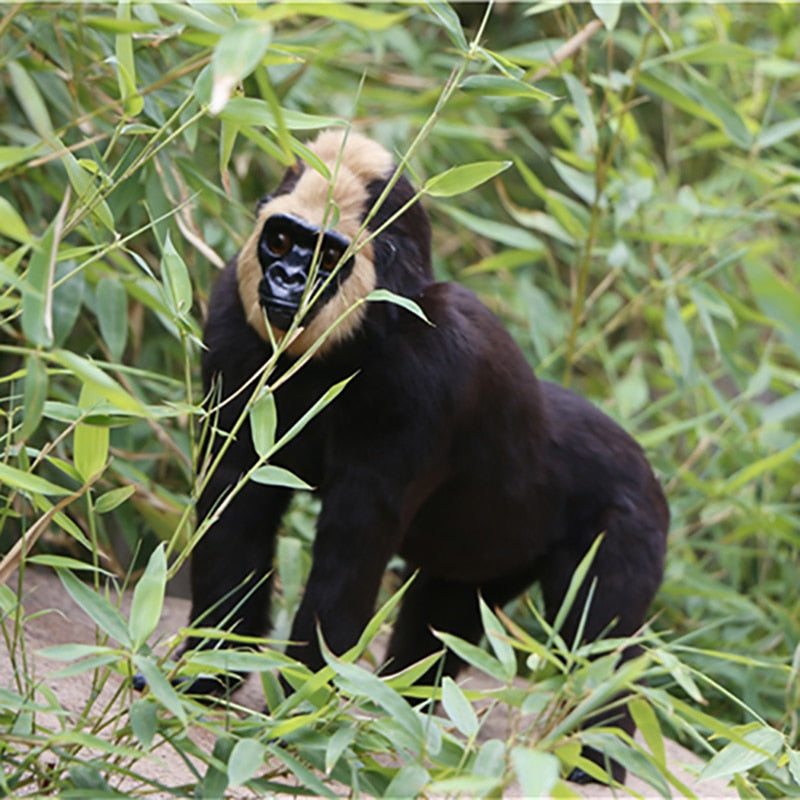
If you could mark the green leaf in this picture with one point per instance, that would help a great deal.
(774, 134)
(337, 744)
(700, 99)
(238, 52)
(177, 284)
(113, 498)
(105, 616)
(73, 652)
(245, 760)
(607, 12)
(90, 441)
(102, 383)
(228, 659)
(358, 681)
(679, 335)
(759, 745)
(37, 310)
(537, 772)
(458, 180)
(509, 235)
(290, 563)
(384, 295)
(160, 687)
(777, 297)
(582, 183)
(498, 640)
(458, 708)
(144, 721)
(86, 665)
(580, 101)
(768, 464)
(263, 422)
(474, 655)
(491, 759)
(327, 398)
(132, 101)
(112, 314)
(87, 777)
(34, 395)
(255, 112)
(308, 780)
(577, 580)
(29, 98)
(148, 598)
(11, 156)
(12, 225)
(271, 475)
(464, 786)
(408, 782)
(66, 562)
(362, 17)
(450, 22)
(83, 182)
(215, 781)
(502, 86)
(27, 482)
(647, 725)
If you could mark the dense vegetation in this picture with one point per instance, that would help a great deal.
(641, 245)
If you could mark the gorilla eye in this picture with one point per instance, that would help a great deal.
(330, 257)
(279, 242)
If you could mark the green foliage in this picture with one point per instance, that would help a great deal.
(641, 246)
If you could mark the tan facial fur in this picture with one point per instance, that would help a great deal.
(360, 161)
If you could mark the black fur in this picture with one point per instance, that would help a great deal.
(445, 449)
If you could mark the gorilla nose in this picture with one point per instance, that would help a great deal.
(286, 279)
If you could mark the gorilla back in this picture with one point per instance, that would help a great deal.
(443, 447)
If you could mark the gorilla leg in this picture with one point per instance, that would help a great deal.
(628, 569)
(231, 564)
(443, 605)
(448, 606)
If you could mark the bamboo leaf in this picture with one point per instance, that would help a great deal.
(99, 381)
(112, 314)
(408, 782)
(144, 721)
(132, 101)
(11, 223)
(148, 598)
(245, 760)
(450, 22)
(759, 746)
(28, 482)
(498, 639)
(263, 422)
(503, 86)
(30, 99)
(105, 616)
(461, 179)
(160, 687)
(272, 475)
(384, 295)
(177, 284)
(35, 394)
(90, 441)
(238, 52)
(537, 772)
(607, 12)
(458, 708)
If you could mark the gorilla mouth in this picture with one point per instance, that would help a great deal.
(280, 312)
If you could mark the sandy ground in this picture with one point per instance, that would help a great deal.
(62, 622)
